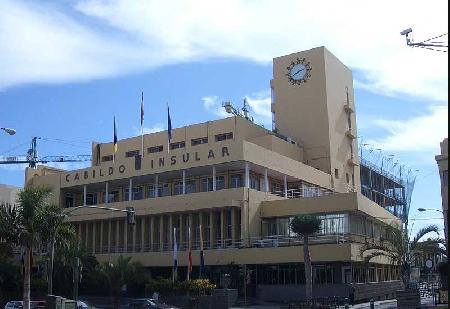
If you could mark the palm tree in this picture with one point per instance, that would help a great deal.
(398, 248)
(54, 232)
(117, 275)
(20, 227)
(305, 226)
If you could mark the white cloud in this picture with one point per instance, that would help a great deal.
(260, 104)
(213, 104)
(148, 130)
(42, 43)
(419, 134)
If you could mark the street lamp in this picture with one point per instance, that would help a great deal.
(9, 131)
(431, 209)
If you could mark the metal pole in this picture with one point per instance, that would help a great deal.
(245, 286)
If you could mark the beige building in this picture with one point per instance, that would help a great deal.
(8, 194)
(442, 161)
(240, 185)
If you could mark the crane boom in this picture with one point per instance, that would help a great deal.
(32, 157)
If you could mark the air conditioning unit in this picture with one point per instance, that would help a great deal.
(291, 141)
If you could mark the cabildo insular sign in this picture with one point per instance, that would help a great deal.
(152, 164)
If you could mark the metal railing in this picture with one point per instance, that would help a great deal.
(303, 192)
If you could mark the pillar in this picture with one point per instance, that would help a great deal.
(134, 229)
(117, 235)
(285, 187)
(161, 232)
(233, 224)
(170, 231)
(184, 182)
(143, 221)
(266, 180)
(101, 235)
(152, 234)
(181, 240)
(93, 236)
(107, 192)
(212, 236)
(214, 188)
(156, 185)
(222, 227)
(201, 227)
(84, 195)
(130, 189)
(125, 236)
(247, 175)
(190, 230)
(109, 235)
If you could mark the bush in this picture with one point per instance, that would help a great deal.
(192, 287)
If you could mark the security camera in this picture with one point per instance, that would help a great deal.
(406, 32)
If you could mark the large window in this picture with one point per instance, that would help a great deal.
(163, 189)
(224, 136)
(199, 141)
(69, 200)
(132, 153)
(177, 145)
(107, 158)
(113, 197)
(155, 149)
(136, 194)
(254, 183)
(236, 181)
(206, 184)
(323, 274)
(91, 199)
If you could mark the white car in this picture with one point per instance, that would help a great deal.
(14, 305)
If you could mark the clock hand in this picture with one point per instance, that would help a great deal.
(298, 71)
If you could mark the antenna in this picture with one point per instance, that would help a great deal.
(244, 113)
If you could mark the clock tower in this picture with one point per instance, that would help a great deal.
(313, 105)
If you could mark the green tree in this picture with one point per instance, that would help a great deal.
(20, 227)
(305, 226)
(398, 248)
(117, 274)
(54, 232)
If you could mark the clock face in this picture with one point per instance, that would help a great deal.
(299, 71)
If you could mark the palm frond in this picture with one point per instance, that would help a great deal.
(422, 232)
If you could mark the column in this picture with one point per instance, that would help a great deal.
(106, 192)
(93, 237)
(212, 235)
(181, 233)
(130, 189)
(152, 225)
(117, 235)
(184, 182)
(190, 229)
(233, 224)
(134, 229)
(247, 175)
(161, 232)
(109, 235)
(201, 227)
(143, 221)
(285, 187)
(84, 195)
(266, 180)
(170, 232)
(101, 236)
(156, 185)
(214, 178)
(222, 227)
(125, 236)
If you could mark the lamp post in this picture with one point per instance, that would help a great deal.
(9, 131)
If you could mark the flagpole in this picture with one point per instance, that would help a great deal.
(175, 255)
(169, 128)
(142, 124)
(189, 255)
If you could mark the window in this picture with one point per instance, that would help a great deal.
(91, 199)
(163, 189)
(177, 145)
(220, 182)
(131, 154)
(224, 136)
(445, 178)
(178, 188)
(206, 184)
(113, 197)
(136, 194)
(151, 191)
(107, 158)
(323, 274)
(199, 141)
(254, 183)
(191, 186)
(69, 200)
(236, 181)
(336, 173)
(347, 177)
(155, 149)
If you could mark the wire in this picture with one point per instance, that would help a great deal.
(14, 148)
(429, 48)
(436, 37)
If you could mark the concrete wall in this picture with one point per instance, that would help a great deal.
(8, 194)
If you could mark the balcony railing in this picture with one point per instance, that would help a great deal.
(273, 241)
(304, 192)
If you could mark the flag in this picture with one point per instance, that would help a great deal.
(169, 128)
(142, 110)
(142, 124)
(175, 255)
(115, 139)
(202, 257)
(190, 255)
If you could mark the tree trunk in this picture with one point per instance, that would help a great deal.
(50, 267)
(26, 279)
(308, 268)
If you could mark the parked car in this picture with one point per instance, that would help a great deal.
(18, 304)
(82, 304)
(149, 303)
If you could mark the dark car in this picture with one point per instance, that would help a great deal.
(149, 303)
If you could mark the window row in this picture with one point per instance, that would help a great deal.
(175, 145)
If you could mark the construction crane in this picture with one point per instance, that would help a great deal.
(32, 157)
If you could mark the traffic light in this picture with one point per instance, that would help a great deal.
(130, 215)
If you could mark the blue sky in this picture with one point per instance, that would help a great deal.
(66, 69)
